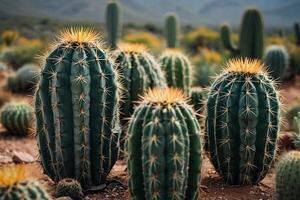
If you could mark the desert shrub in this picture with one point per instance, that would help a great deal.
(148, 39)
(9, 37)
(275, 40)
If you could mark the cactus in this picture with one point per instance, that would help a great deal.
(172, 30)
(139, 71)
(198, 97)
(24, 80)
(296, 125)
(242, 122)
(297, 33)
(113, 23)
(287, 177)
(76, 107)
(17, 118)
(177, 69)
(251, 36)
(69, 187)
(164, 148)
(277, 61)
(14, 185)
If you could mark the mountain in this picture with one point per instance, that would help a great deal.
(209, 12)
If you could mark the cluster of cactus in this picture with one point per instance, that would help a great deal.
(172, 29)
(139, 71)
(113, 23)
(287, 177)
(17, 118)
(242, 122)
(297, 33)
(14, 185)
(77, 108)
(296, 125)
(177, 69)
(251, 43)
(277, 61)
(164, 148)
(69, 187)
(24, 80)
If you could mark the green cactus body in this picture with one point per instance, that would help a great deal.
(277, 61)
(17, 118)
(139, 71)
(69, 187)
(297, 33)
(242, 122)
(251, 36)
(177, 69)
(77, 110)
(171, 30)
(113, 23)
(25, 79)
(287, 177)
(164, 148)
(296, 125)
(198, 97)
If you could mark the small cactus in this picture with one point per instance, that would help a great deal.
(113, 23)
(177, 69)
(17, 118)
(76, 107)
(14, 185)
(242, 122)
(251, 42)
(296, 125)
(288, 176)
(164, 148)
(198, 97)
(277, 61)
(69, 187)
(172, 29)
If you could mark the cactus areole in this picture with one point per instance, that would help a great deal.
(77, 110)
(164, 148)
(242, 122)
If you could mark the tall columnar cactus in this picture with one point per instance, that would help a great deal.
(287, 177)
(15, 185)
(113, 23)
(76, 107)
(297, 32)
(172, 29)
(296, 125)
(177, 69)
(251, 36)
(198, 97)
(164, 148)
(242, 122)
(17, 118)
(277, 61)
(139, 71)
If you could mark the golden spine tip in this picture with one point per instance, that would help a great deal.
(164, 96)
(79, 35)
(245, 65)
(132, 47)
(10, 175)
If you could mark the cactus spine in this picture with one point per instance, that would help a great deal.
(113, 23)
(69, 187)
(17, 118)
(77, 110)
(13, 185)
(177, 69)
(242, 122)
(251, 36)
(287, 177)
(297, 33)
(172, 29)
(164, 148)
(296, 125)
(277, 61)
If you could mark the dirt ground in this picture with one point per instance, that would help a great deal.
(212, 186)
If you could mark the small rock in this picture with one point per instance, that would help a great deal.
(64, 198)
(97, 188)
(5, 159)
(22, 157)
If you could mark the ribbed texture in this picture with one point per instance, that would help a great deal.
(198, 97)
(113, 26)
(171, 31)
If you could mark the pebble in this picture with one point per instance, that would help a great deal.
(22, 157)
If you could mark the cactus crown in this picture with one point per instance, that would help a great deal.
(133, 47)
(164, 96)
(78, 35)
(294, 154)
(251, 66)
(10, 175)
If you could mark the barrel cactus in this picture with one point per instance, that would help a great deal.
(296, 125)
(177, 69)
(287, 177)
(69, 187)
(277, 61)
(24, 80)
(172, 29)
(251, 36)
(242, 122)
(17, 118)
(14, 184)
(76, 106)
(164, 148)
(113, 23)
